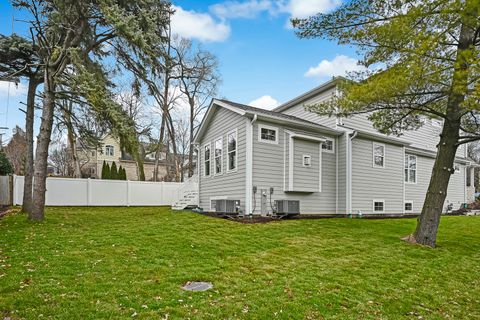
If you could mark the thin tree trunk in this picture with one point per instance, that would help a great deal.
(29, 121)
(429, 220)
(41, 155)
(190, 147)
(140, 164)
(72, 143)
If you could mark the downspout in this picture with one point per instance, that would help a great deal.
(249, 166)
(350, 137)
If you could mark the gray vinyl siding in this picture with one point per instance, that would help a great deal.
(270, 167)
(299, 110)
(416, 192)
(228, 184)
(306, 178)
(372, 183)
(341, 148)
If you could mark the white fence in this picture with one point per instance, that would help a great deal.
(95, 192)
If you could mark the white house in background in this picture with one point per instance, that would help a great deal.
(330, 165)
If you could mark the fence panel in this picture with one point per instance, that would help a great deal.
(5, 191)
(96, 192)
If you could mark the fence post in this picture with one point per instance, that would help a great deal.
(128, 193)
(89, 187)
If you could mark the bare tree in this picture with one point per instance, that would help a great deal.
(16, 151)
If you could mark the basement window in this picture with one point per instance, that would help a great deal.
(378, 206)
(408, 206)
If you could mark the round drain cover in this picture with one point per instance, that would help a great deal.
(197, 286)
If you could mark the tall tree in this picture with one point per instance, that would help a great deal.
(19, 60)
(69, 35)
(429, 54)
(16, 150)
(5, 165)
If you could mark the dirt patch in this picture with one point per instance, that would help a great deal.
(4, 210)
(243, 219)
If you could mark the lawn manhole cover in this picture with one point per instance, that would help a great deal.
(197, 286)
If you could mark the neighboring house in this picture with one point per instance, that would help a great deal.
(331, 165)
(110, 151)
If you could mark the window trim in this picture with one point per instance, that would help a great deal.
(303, 161)
(215, 157)
(408, 168)
(384, 154)
(373, 205)
(405, 203)
(333, 146)
(113, 150)
(235, 132)
(264, 126)
(209, 144)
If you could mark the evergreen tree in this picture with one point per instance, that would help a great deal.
(5, 165)
(106, 171)
(122, 174)
(114, 171)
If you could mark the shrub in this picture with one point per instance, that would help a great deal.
(114, 171)
(105, 171)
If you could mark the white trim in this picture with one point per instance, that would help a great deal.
(264, 126)
(404, 203)
(235, 132)
(333, 146)
(209, 144)
(373, 154)
(304, 136)
(290, 163)
(408, 168)
(373, 205)
(248, 164)
(336, 180)
(215, 157)
(284, 160)
(404, 187)
(310, 160)
(320, 167)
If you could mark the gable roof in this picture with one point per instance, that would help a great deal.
(262, 114)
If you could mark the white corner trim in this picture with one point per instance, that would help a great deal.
(320, 168)
(290, 163)
(264, 126)
(384, 154)
(248, 164)
(373, 205)
(235, 132)
(284, 160)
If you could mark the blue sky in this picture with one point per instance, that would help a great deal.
(262, 61)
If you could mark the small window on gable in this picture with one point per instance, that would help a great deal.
(408, 206)
(378, 155)
(109, 150)
(378, 206)
(307, 160)
(328, 146)
(267, 134)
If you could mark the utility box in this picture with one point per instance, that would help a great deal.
(287, 207)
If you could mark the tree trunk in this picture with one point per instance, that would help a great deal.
(41, 155)
(140, 164)
(190, 147)
(429, 220)
(72, 141)
(29, 121)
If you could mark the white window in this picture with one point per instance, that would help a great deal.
(378, 155)
(328, 146)
(232, 151)
(218, 156)
(378, 206)
(206, 159)
(109, 150)
(267, 134)
(410, 168)
(307, 160)
(408, 206)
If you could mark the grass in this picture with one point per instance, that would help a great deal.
(124, 263)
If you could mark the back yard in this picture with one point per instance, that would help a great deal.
(92, 263)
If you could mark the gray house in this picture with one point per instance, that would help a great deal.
(329, 165)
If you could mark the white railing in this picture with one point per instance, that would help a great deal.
(189, 186)
(96, 192)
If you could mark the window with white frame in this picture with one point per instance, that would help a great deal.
(218, 151)
(378, 206)
(378, 155)
(328, 145)
(206, 160)
(410, 168)
(307, 160)
(232, 151)
(408, 206)
(109, 150)
(267, 134)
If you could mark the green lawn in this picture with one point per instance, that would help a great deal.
(118, 263)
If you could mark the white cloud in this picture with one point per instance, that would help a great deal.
(15, 90)
(237, 9)
(200, 26)
(339, 66)
(265, 102)
(306, 8)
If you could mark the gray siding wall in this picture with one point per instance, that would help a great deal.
(416, 192)
(372, 183)
(228, 184)
(299, 110)
(269, 161)
(306, 178)
(341, 146)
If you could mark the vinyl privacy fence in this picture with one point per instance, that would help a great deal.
(96, 192)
